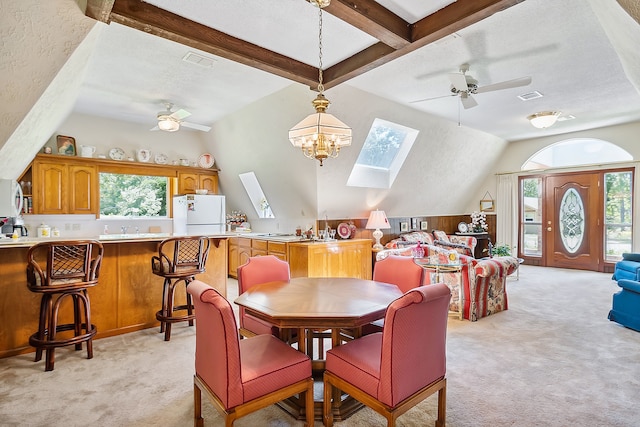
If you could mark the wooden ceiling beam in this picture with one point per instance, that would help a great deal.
(373, 19)
(442, 23)
(397, 37)
(153, 20)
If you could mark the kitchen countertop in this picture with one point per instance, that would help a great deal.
(141, 237)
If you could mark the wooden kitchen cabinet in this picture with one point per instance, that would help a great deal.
(259, 247)
(64, 188)
(340, 258)
(239, 253)
(189, 182)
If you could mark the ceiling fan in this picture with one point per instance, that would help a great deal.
(464, 85)
(170, 121)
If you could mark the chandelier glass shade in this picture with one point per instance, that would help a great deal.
(544, 119)
(320, 135)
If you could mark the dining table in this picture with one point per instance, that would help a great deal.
(312, 306)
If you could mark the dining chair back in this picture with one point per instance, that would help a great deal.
(257, 270)
(393, 370)
(61, 270)
(242, 376)
(399, 270)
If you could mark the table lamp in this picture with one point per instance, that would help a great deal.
(377, 220)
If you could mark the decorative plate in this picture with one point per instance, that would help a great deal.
(206, 160)
(116, 153)
(344, 230)
(143, 155)
(463, 227)
(161, 159)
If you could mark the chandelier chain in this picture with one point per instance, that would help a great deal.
(320, 85)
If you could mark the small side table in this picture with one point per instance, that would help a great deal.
(445, 268)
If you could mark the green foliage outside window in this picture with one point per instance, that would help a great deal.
(132, 195)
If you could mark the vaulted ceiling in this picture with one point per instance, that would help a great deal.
(576, 53)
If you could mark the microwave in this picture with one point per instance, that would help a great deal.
(11, 198)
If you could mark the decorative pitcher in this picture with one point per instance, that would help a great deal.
(87, 150)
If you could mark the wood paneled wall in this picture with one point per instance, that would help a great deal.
(448, 224)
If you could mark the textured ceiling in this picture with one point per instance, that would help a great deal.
(579, 54)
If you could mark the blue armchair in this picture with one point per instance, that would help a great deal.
(628, 268)
(626, 305)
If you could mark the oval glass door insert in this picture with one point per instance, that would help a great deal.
(571, 220)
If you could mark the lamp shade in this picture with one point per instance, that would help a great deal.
(544, 119)
(377, 220)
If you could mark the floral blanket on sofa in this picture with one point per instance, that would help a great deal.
(481, 282)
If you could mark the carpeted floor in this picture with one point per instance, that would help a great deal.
(552, 359)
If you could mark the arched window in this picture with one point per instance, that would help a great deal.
(576, 152)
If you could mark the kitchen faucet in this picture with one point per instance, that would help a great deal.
(124, 229)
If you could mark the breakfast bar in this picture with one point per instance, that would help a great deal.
(126, 298)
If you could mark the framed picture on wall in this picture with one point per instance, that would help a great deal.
(404, 226)
(486, 206)
(414, 223)
(66, 145)
(423, 225)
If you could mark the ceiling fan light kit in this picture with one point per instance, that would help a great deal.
(167, 124)
(170, 121)
(320, 135)
(544, 119)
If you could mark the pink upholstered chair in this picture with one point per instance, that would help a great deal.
(256, 270)
(242, 376)
(393, 370)
(397, 270)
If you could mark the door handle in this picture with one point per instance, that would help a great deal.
(548, 228)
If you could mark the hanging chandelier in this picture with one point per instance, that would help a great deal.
(320, 135)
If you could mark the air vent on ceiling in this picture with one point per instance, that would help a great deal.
(198, 59)
(530, 95)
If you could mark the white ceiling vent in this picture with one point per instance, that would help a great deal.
(198, 59)
(530, 95)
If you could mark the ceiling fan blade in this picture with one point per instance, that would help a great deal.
(431, 99)
(180, 114)
(459, 81)
(522, 81)
(155, 128)
(196, 126)
(467, 101)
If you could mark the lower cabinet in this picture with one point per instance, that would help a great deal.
(340, 258)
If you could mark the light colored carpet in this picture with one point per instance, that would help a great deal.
(552, 359)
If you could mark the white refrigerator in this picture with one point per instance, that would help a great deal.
(199, 214)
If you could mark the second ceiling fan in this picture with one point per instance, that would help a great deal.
(464, 85)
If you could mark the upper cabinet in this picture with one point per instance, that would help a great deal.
(64, 188)
(70, 185)
(189, 182)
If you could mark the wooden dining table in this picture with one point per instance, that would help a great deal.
(310, 305)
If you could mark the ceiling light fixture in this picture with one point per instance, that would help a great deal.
(320, 135)
(544, 119)
(168, 124)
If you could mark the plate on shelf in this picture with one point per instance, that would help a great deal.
(206, 160)
(344, 230)
(463, 227)
(161, 159)
(116, 153)
(143, 155)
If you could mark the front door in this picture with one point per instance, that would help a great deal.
(572, 225)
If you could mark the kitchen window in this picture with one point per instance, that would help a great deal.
(137, 196)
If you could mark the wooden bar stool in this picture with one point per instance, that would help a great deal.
(61, 269)
(179, 259)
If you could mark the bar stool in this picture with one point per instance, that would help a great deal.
(62, 269)
(179, 259)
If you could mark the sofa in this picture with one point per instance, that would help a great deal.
(482, 282)
(464, 245)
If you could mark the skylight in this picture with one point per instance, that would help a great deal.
(382, 155)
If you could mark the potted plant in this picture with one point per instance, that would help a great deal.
(500, 250)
